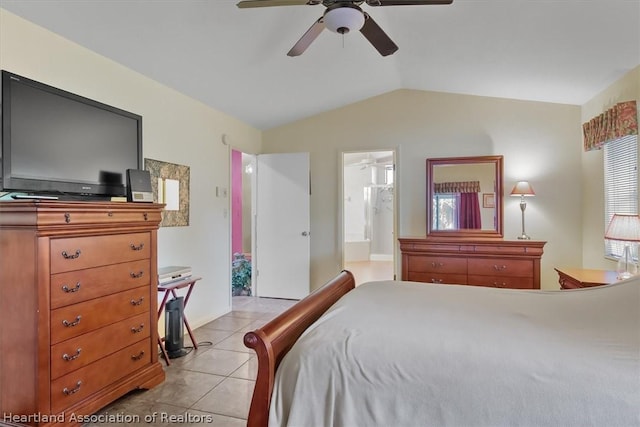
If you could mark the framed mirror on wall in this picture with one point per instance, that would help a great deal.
(464, 197)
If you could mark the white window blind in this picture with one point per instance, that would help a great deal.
(620, 184)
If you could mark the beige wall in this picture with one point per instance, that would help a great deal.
(625, 89)
(176, 129)
(540, 142)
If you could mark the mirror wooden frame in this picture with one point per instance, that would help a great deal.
(497, 161)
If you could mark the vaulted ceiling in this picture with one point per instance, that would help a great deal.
(561, 51)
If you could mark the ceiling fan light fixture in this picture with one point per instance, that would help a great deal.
(343, 19)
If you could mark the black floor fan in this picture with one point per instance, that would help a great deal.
(173, 330)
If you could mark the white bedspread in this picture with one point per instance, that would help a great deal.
(407, 354)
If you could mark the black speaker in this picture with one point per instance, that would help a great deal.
(173, 330)
(139, 186)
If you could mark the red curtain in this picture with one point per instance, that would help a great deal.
(469, 211)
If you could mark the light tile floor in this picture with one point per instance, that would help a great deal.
(209, 386)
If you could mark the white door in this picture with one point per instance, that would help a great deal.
(282, 225)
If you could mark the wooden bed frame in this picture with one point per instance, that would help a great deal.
(274, 340)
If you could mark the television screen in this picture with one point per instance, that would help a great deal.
(56, 142)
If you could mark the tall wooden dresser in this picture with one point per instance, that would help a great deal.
(78, 302)
(472, 261)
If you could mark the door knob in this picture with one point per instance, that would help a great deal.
(304, 233)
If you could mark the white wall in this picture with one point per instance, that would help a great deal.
(176, 129)
(540, 142)
(626, 88)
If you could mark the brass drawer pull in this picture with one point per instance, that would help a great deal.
(66, 255)
(137, 275)
(136, 248)
(436, 264)
(74, 390)
(499, 267)
(138, 329)
(499, 285)
(74, 323)
(137, 302)
(137, 356)
(436, 280)
(69, 290)
(74, 357)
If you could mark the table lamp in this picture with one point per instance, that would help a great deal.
(523, 189)
(625, 228)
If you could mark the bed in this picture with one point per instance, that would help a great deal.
(406, 354)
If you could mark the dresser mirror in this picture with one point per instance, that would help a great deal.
(464, 197)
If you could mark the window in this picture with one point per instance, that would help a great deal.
(620, 184)
(445, 208)
(388, 174)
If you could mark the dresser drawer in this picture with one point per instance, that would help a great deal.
(100, 214)
(435, 264)
(74, 320)
(451, 279)
(501, 281)
(77, 253)
(80, 285)
(501, 267)
(79, 384)
(75, 353)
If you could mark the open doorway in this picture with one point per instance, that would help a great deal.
(368, 214)
(261, 185)
(242, 167)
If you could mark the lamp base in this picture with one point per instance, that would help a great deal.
(627, 266)
(524, 237)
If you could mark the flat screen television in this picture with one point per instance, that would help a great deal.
(59, 144)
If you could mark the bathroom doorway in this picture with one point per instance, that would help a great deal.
(242, 168)
(368, 214)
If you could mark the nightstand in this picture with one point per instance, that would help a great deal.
(574, 278)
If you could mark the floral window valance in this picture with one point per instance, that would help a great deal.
(457, 187)
(616, 122)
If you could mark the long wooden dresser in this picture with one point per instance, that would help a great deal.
(78, 302)
(480, 262)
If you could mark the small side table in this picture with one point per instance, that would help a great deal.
(170, 289)
(574, 278)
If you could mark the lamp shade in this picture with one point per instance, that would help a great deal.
(522, 188)
(624, 227)
(344, 19)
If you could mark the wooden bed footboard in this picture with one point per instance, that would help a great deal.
(273, 340)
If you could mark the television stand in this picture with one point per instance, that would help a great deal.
(22, 196)
(78, 299)
(67, 197)
(84, 198)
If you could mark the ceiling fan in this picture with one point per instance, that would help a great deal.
(342, 16)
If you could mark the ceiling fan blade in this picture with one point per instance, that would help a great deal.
(265, 3)
(308, 38)
(406, 2)
(377, 37)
